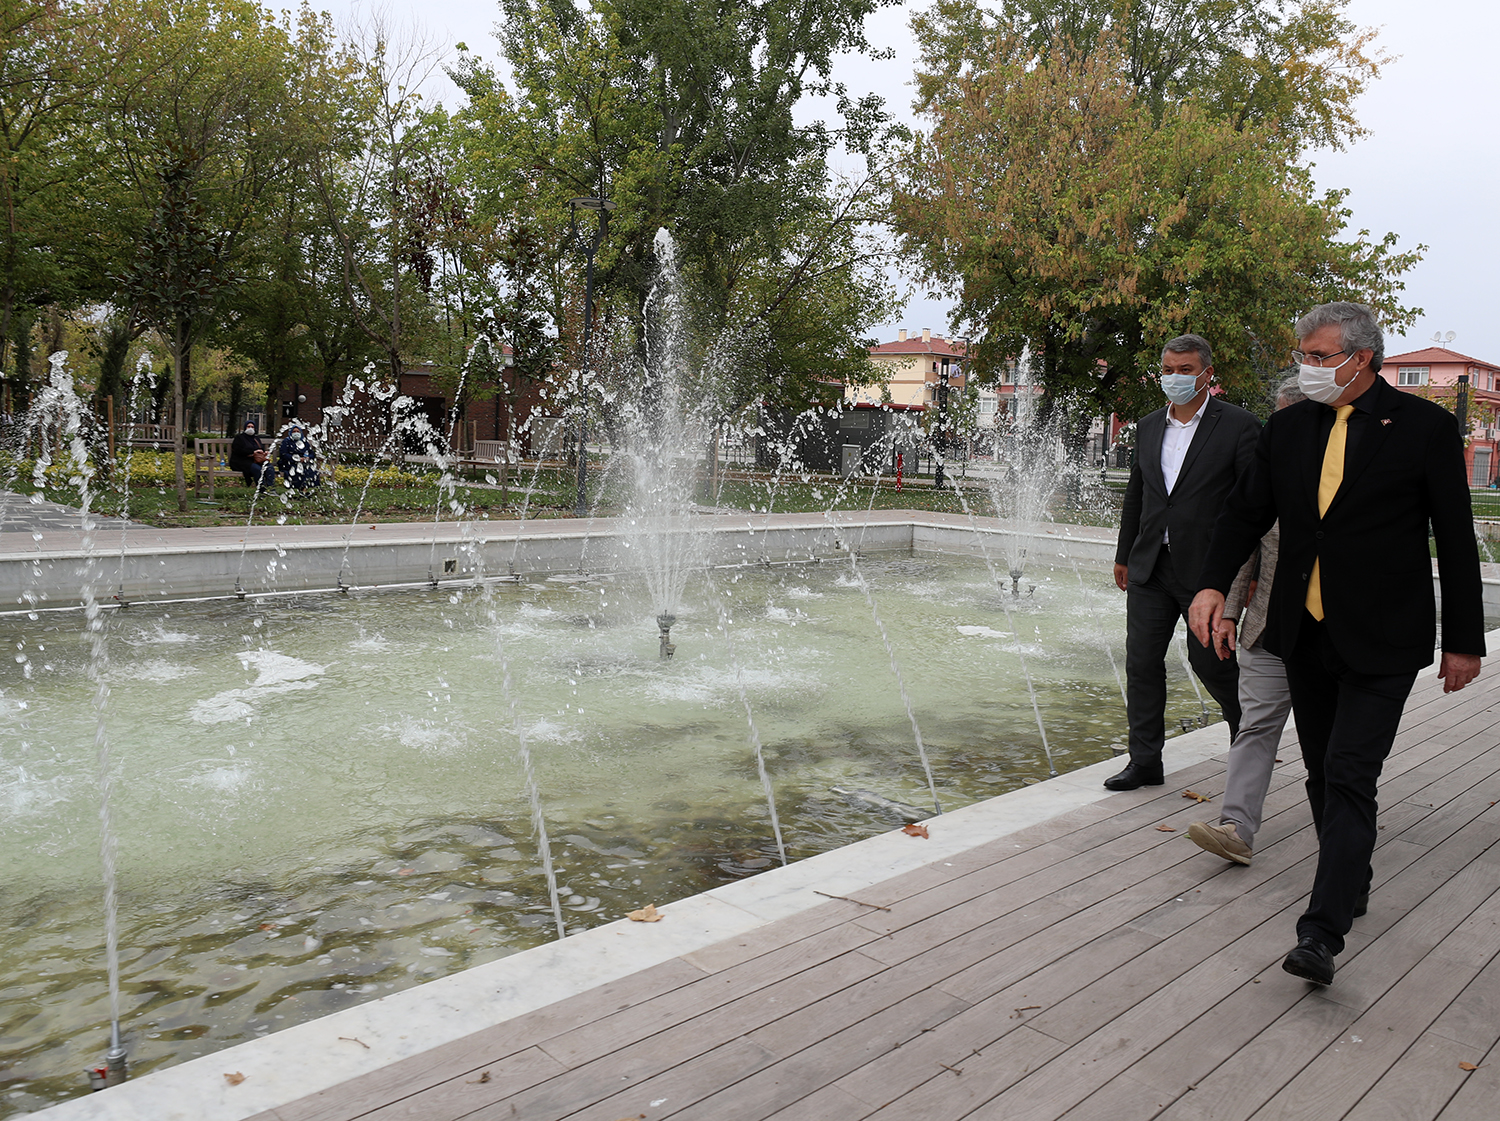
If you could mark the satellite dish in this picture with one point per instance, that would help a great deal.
(1449, 337)
(1437, 336)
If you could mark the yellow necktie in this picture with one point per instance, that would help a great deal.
(1328, 486)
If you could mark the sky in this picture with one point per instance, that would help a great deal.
(1429, 170)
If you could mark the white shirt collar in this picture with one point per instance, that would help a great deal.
(1173, 422)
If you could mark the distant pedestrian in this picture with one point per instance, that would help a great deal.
(247, 455)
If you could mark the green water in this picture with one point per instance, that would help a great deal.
(318, 799)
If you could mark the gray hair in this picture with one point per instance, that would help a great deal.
(1358, 328)
(1184, 344)
(1290, 391)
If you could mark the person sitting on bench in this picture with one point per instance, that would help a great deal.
(248, 456)
(297, 459)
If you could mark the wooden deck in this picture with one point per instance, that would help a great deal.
(1096, 966)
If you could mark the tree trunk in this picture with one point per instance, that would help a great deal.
(179, 349)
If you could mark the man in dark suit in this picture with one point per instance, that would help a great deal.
(1188, 457)
(1355, 475)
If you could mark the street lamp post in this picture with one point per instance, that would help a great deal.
(589, 247)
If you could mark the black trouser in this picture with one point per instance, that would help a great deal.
(1152, 610)
(1347, 723)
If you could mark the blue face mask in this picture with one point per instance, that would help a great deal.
(1179, 388)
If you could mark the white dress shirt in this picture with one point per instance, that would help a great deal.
(1175, 441)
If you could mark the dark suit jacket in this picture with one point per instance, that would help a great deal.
(1221, 450)
(1406, 470)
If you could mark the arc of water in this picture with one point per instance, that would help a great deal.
(1088, 598)
(744, 694)
(143, 371)
(528, 769)
(1187, 668)
(60, 396)
(1010, 621)
(890, 650)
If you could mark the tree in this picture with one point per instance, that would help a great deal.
(216, 109)
(681, 114)
(1295, 67)
(1093, 224)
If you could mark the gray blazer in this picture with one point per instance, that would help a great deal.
(1261, 567)
(1222, 448)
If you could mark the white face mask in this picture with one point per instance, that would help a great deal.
(1319, 382)
(1179, 388)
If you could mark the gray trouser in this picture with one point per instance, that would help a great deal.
(1265, 703)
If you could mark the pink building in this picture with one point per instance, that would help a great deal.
(1437, 373)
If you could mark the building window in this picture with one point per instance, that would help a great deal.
(987, 406)
(1412, 375)
(859, 419)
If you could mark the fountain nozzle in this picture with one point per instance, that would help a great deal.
(664, 622)
(1015, 581)
(114, 1071)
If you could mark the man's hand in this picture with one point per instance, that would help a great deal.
(1224, 639)
(1122, 577)
(1457, 670)
(1205, 615)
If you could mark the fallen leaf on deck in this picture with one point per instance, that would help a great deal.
(1193, 794)
(234, 1079)
(648, 913)
(1166, 829)
(914, 830)
(483, 1078)
(1467, 1066)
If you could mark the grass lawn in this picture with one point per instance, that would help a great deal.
(548, 493)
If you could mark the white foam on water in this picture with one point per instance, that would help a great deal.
(157, 671)
(786, 615)
(276, 674)
(23, 794)
(228, 778)
(160, 636)
(982, 632)
(546, 730)
(802, 592)
(429, 736)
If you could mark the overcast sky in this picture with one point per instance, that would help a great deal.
(1429, 169)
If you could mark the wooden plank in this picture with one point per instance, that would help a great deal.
(463, 1097)
(812, 964)
(464, 1058)
(828, 1104)
(851, 1042)
(1420, 1084)
(656, 1094)
(1476, 1097)
(949, 1096)
(988, 1022)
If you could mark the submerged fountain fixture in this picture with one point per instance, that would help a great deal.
(664, 623)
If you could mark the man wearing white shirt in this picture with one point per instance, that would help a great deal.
(1188, 457)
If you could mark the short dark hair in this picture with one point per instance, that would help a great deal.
(1184, 344)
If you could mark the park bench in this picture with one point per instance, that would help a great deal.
(211, 463)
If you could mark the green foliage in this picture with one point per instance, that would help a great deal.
(681, 114)
(1094, 222)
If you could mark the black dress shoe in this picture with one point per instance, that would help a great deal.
(1311, 961)
(1134, 777)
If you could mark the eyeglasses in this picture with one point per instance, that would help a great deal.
(1300, 357)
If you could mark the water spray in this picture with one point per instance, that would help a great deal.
(664, 623)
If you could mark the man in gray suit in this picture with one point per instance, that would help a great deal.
(1188, 457)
